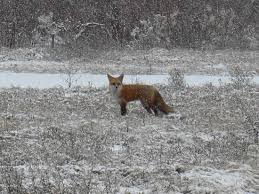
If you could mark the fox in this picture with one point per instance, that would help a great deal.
(148, 95)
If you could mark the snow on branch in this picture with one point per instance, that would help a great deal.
(86, 26)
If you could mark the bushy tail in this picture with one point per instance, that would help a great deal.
(162, 106)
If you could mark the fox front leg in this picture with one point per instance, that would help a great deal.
(123, 108)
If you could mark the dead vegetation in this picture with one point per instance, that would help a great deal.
(75, 141)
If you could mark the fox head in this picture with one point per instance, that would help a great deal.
(115, 83)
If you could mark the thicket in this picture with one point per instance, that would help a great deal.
(142, 24)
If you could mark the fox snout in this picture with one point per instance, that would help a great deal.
(114, 88)
(115, 83)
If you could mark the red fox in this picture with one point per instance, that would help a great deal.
(148, 95)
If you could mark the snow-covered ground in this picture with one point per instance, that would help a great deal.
(154, 61)
(64, 141)
(74, 140)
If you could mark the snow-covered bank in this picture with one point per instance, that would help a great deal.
(51, 142)
(45, 80)
(129, 61)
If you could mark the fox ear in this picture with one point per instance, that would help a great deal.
(121, 77)
(109, 76)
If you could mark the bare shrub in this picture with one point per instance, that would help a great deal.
(241, 98)
(13, 180)
(176, 79)
(70, 75)
(240, 78)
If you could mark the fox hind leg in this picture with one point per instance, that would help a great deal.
(148, 109)
(146, 106)
(155, 110)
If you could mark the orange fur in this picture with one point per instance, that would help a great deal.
(148, 95)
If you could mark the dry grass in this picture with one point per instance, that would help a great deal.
(59, 141)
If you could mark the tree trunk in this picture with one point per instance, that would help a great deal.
(12, 37)
(257, 30)
(52, 40)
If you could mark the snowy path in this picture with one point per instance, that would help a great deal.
(44, 80)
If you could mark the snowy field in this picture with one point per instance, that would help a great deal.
(72, 139)
(154, 61)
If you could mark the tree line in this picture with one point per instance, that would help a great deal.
(140, 23)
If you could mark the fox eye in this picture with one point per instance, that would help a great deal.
(113, 84)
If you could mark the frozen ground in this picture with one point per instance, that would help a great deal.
(74, 140)
(155, 61)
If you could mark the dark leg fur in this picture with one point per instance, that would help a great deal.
(145, 105)
(123, 109)
(155, 111)
(148, 109)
